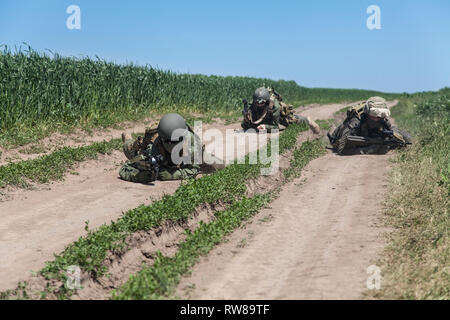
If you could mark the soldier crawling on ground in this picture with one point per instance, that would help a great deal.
(268, 111)
(367, 130)
(150, 157)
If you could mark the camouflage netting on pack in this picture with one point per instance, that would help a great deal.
(377, 107)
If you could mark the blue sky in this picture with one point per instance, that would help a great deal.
(316, 43)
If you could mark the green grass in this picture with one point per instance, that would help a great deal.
(53, 166)
(325, 124)
(415, 264)
(301, 156)
(42, 93)
(159, 280)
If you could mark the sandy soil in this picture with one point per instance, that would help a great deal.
(35, 224)
(314, 242)
(317, 112)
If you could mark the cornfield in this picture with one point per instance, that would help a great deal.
(38, 88)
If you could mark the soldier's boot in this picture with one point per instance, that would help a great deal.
(313, 125)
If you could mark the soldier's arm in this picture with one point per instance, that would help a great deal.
(184, 171)
(275, 125)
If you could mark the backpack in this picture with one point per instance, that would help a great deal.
(287, 113)
(286, 110)
(132, 148)
(355, 111)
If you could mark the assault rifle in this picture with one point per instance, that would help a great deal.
(246, 110)
(152, 163)
(390, 138)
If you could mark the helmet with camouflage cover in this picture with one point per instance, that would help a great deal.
(261, 96)
(171, 129)
(377, 107)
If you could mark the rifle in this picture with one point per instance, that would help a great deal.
(389, 138)
(246, 111)
(151, 163)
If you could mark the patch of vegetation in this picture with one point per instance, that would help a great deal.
(325, 124)
(53, 166)
(159, 280)
(415, 264)
(305, 153)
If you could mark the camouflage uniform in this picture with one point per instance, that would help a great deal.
(277, 113)
(139, 167)
(270, 116)
(360, 124)
(373, 129)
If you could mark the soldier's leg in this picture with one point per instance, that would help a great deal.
(308, 121)
(132, 174)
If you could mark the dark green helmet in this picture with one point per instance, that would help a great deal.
(168, 124)
(261, 96)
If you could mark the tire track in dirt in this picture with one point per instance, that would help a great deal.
(323, 231)
(316, 240)
(35, 224)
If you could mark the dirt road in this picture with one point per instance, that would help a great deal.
(35, 224)
(316, 240)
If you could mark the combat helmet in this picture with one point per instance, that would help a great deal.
(261, 96)
(172, 128)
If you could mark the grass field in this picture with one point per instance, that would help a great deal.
(416, 262)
